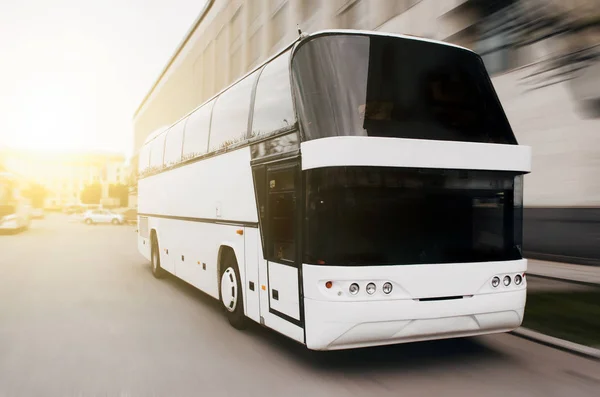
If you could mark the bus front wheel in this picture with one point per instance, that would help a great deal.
(231, 292)
(157, 271)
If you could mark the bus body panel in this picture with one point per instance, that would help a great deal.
(413, 153)
(283, 289)
(251, 272)
(426, 302)
(195, 210)
(217, 188)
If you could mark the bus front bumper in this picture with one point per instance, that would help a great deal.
(343, 325)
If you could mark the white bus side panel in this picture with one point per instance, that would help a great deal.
(284, 280)
(193, 248)
(219, 187)
(253, 252)
(272, 321)
(194, 210)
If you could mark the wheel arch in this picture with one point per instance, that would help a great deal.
(226, 248)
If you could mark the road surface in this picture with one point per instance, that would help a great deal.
(81, 315)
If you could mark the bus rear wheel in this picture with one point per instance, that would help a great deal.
(231, 292)
(157, 271)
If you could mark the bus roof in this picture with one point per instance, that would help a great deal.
(156, 133)
(307, 36)
(383, 34)
(300, 39)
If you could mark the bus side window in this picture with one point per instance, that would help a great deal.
(229, 123)
(273, 108)
(173, 143)
(157, 150)
(195, 137)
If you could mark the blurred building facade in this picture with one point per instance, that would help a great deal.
(66, 175)
(542, 56)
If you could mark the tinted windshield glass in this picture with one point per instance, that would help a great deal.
(382, 216)
(394, 87)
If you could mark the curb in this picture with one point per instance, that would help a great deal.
(566, 280)
(558, 343)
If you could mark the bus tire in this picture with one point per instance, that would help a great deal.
(230, 291)
(157, 271)
(88, 221)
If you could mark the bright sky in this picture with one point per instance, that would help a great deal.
(72, 72)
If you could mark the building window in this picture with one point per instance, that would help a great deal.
(236, 26)
(355, 14)
(254, 9)
(279, 24)
(309, 8)
(222, 50)
(255, 46)
(235, 64)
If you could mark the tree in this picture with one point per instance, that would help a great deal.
(120, 192)
(37, 194)
(91, 194)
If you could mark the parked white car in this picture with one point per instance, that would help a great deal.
(102, 216)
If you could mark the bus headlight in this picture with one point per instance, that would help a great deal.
(387, 288)
(506, 280)
(354, 288)
(495, 281)
(371, 288)
(518, 279)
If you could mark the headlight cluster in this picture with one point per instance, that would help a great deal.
(371, 288)
(508, 280)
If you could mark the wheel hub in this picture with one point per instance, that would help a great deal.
(229, 289)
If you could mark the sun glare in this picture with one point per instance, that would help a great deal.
(51, 119)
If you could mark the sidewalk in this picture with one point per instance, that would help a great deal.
(564, 271)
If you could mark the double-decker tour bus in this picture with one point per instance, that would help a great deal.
(356, 189)
(15, 209)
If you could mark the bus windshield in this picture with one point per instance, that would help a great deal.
(394, 87)
(359, 216)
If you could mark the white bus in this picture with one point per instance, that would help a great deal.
(15, 209)
(356, 189)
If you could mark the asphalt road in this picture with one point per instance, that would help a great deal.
(81, 315)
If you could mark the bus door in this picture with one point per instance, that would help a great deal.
(281, 239)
